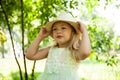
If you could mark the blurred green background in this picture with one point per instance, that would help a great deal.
(21, 20)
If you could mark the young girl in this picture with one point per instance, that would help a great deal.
(72, 45)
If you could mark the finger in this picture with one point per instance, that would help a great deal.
(44, 29)
(78, 23)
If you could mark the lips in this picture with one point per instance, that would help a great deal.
(59, 37)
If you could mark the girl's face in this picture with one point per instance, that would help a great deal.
(61, 32)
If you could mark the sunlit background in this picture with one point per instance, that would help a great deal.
(109, 10)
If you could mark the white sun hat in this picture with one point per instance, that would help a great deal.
(65, 17)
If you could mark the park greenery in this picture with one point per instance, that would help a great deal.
(23, 19)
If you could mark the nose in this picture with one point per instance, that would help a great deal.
(59, 31)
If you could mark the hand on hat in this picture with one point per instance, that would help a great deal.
(43, 32)
(82, 27)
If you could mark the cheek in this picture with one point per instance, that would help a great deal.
(53, 35)
(70, 35)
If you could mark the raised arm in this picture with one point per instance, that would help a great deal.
(33, 53)
(85, 47)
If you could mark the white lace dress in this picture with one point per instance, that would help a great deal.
(59, 66)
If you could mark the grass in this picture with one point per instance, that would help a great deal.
(87, 71)
(98, 71)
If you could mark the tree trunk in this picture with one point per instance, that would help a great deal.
(8, 24)
(22, 27)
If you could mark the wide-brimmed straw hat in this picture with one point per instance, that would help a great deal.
(65, 17)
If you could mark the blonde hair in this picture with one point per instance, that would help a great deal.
(74, 46)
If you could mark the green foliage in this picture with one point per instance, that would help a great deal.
(38, 12)
(16, 76)
(11, 7)
(2, 38)
(90, 4)
(112, 60)
(1, 77)
(102, 41)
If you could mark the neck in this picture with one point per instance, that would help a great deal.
(62, 45)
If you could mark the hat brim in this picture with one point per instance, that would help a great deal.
(73, 24)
